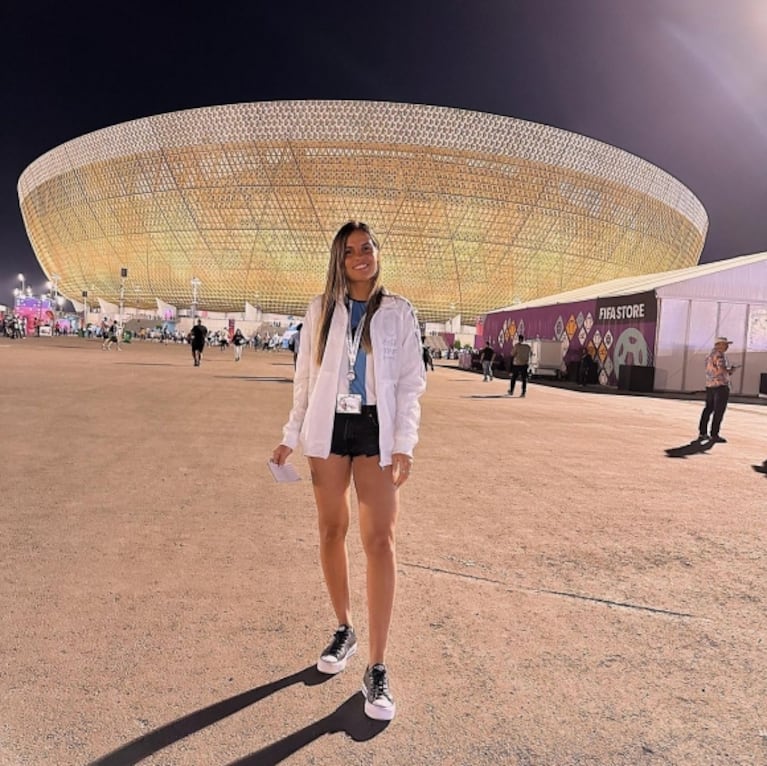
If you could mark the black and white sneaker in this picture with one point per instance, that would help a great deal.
(337, 653)
(379, 703)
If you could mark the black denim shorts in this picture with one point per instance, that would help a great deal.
(356, 435)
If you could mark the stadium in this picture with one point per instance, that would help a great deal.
(473, 210)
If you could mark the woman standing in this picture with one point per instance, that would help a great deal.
(356, 411)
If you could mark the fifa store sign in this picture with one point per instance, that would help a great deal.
(627, 308)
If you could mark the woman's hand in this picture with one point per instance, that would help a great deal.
(400, 468)
(281, 454)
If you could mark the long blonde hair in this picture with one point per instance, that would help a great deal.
(336, 288)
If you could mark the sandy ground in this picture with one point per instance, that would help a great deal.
(568, 593)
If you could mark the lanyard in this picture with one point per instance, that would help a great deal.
(353, 343)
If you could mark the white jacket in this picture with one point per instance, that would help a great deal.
(396, 365)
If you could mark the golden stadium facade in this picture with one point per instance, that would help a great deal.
(473, 210)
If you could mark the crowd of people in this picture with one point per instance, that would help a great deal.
(200, 338)
(14, 326)
(109, 332)
(20, 326)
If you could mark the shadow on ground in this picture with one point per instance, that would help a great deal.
(348, 717)
(257, 379)
(693, 448)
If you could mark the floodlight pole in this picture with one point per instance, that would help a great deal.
(123, 277)
(195, 287)
(55, 300)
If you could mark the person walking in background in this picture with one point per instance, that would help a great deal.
(520, 360)
(360, 358)
(486, 356)
(197, 336)
(104, 330)
(718, 372)
(295, 343)
(587, 369)
(238, 341)
(112, 336)
(428, 360)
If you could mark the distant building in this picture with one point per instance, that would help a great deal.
(473, 209)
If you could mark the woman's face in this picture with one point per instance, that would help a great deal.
(360, 258)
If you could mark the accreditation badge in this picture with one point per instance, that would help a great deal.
(349, 404)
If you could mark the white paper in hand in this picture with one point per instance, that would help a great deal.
(285, 472)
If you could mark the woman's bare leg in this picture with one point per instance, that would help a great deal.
(330, 479)
(379, 504)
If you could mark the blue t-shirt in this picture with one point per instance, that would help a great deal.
(357, 386)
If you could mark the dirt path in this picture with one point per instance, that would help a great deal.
(568, 594)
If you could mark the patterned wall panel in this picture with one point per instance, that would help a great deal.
(474, 210)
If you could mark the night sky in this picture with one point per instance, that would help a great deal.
(681, 83)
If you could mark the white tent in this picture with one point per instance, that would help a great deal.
(694, 306)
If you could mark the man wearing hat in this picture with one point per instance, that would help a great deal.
(718, 371)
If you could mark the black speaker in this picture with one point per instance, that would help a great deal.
(632, 377)
(763, 384)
